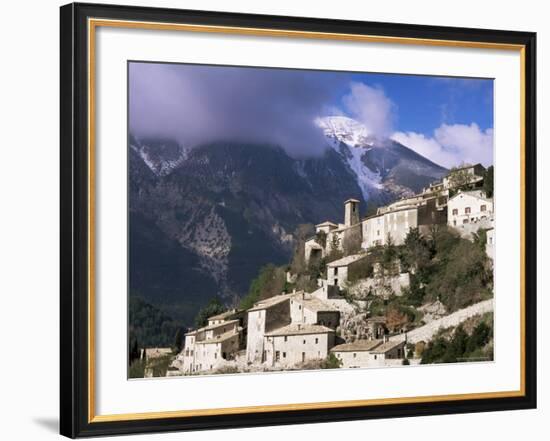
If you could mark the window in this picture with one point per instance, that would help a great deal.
(467, 210)
(378, 232)
(354, 355)
(299, 307)
(483, 208)
(286, 338)
(455, 211)
(336, 281)
(466, 221)
(336, 271)
(216, 355)
(303, 357)
(284, 354)
(277, 355)
(375, 357)
(454, 223)
(304, 341)
(316, 341)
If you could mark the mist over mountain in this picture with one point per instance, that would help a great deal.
(203, 220)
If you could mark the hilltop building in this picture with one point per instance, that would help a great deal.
(469, 207)
(293, 329)
(206, 348)
(370, 353)
(430, 207)
(338, 270)
(298, 343)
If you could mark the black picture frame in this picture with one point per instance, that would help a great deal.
(75, 416)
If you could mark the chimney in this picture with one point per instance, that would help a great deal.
(351, 212)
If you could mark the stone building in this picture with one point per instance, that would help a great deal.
(308, 309)
(297, 343)
(330, 236)
(264, 317)
(356, 354)
(337, 271)
(396, 220)
(467, 207)
(208, 347)
(470, 175)
(370, 353)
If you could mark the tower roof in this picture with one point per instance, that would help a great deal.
(352, 200)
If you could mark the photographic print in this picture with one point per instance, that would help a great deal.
(287, 219)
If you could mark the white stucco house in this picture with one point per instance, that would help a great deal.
(207, 348)
(308, 309)
(264, 317)
(468, 207)
(337, 271)
(297, 343)
(369, 353)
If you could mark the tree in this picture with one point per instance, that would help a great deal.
(178, 341)
(459, 178)
(488, 181)
(301, 234)
(270, 282)
(331, 362)
(416, 252)
(213, 307)
(335, 250)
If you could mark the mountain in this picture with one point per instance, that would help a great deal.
(385, 169)
(203, 220)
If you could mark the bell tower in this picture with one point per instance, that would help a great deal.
(351, 212)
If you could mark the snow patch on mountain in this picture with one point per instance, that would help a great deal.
(346, 130)
(352, 141)
(160, 164)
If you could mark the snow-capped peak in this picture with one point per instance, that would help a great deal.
(351, 139)
(344, 129)
(161, 157)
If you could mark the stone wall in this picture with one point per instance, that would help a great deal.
(425, 333)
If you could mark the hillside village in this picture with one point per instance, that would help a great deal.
(357, 295)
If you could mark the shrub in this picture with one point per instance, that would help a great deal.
(331, 362)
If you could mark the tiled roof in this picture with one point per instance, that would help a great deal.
(357, 346)
(271, 301)
(300, 329)
(223, 315)
(315, 304)
(345, 261)
(387, 346)
(208, 328)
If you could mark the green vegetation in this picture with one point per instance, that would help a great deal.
(331, 362)
(270, 282)
(446, 267)
(213, 307)
(159, 365)
(461, 346)
(488, 180)
(149, 327)
(137, 369)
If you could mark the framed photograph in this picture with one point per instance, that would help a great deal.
(275, 220)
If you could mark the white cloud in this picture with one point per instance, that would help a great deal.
(371, 107)
(452, 145)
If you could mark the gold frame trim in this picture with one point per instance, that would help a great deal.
(92, 25)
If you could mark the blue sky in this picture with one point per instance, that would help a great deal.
(448, 120)
(425, 102)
